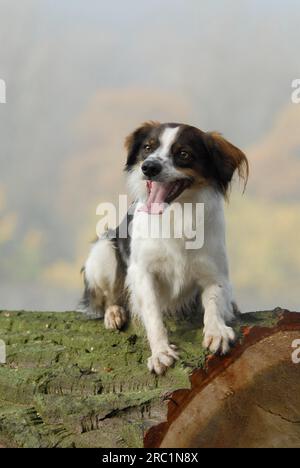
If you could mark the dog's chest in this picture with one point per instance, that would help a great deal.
(165, 257)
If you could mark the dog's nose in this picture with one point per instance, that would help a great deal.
(151, 168)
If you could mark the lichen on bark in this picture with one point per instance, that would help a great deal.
(68, 382)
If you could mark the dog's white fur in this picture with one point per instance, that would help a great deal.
(163, 275)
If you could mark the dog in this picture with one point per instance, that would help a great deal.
(169, 164)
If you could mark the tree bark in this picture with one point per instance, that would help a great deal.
(68, 382)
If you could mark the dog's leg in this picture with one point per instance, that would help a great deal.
(218, 309)
(104, 288)
(145, 304)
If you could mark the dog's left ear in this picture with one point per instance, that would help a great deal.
(226, 159)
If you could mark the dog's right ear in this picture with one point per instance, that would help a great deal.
(226, 159)
(134, 141)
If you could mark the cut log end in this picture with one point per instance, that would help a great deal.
(249, 399)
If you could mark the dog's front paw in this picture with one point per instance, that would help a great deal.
(115, 318)
(162, 359)
(218, 338)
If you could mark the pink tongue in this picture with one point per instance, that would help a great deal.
(156, 202)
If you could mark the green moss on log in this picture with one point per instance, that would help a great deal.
(68, 382)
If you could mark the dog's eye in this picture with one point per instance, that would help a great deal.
(147, 148)
(184, 155)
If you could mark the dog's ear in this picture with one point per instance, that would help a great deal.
(226, 159)
(134, 141)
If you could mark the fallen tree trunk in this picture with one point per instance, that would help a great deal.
(68, 382)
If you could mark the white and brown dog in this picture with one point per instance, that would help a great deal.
(148, 276)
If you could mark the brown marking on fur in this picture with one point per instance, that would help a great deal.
(227, 159)
(198, 180)
(135, 140)
(145, 127)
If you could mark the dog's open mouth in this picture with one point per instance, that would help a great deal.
(161, 194)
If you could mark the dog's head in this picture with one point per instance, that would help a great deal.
(166, 162)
